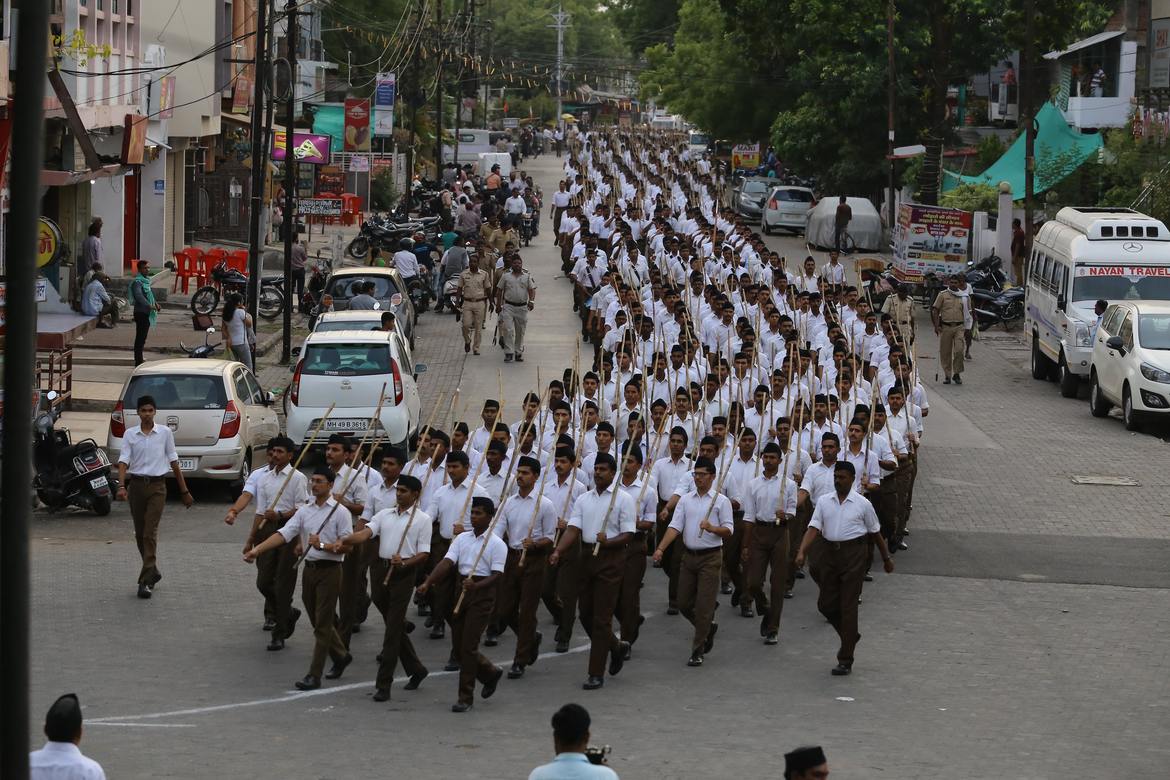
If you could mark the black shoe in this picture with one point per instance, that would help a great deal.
(438, 632)
(292, 622)
(309, 683)
(516, 672)
(143, 590)
(840, 670)
(451, 666)
(710, 643)
(629, 651)
(788, 594)
(491, 639)
(489, 687)
(424, 610)
(461, 706)
(868, 577)
(695, 660)
(339, 667)
(519, 358)
(946, 380)
(800, 574)
(357, 628)
(672, 610)
(415, 680)
(466, 347)
(430, 621)
(507, 357)
(958, 379)
(764, 624)
(725, 588)
(617, 658)
(536, 648)
(771, 639)
(735, 599)
(276, 644)
(269, 624)
(379, 658)
(408, 627)
(593, 683)
(746, 611)
(381, 694)
(562, 646)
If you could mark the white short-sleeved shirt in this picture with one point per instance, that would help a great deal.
(761, 499)
(338, 524)
(691, 510)
(148, 454)
(522, 513)
(380, 497)
(450, 506)
(592, 514)
(465, 549)
(269, 485)
(64, 761)
(391, 528)
(818, 481)
(842, 520)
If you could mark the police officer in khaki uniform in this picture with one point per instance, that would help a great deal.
(475, 287)
(948, 313)
(515, 297)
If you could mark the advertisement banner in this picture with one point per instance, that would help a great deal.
(330, 179)
(745, 156)
(930, 239)
(1160, 53)
(384, 94)
(308, 148)
(242, 95)
(357, 125)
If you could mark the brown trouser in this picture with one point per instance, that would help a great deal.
(146, 496)
(569, 588)
(354, 599)
(474, 313)
(629, 598)
(796, 531)
(320, 585)
(910, 477)
(558, 212)
(698, 588)
(839, 570)
(518, 598)
(276, 579)
(466, 630)
(770, 547)
(442, 593)
(732, 548)
(950, 349)
(889, 507)
(671, 558)
(392, 601)
(600, 582)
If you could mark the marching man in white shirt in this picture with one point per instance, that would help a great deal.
(404, 542)
(477, 558)
(765, 540)
(839, 533)
(603, 519)
(703, 519)
(148, 453)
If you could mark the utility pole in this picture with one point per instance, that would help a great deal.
(891, 96)
(439, 54)
(561, 20)
(28, 137)
(290, 180)
(1028, 114)
(260, 76)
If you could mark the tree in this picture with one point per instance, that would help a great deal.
(645, 23)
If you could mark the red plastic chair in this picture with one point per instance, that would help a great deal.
(351, 209)
(187, 267)
(237, 260)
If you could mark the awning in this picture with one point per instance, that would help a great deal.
(1085, 43)
(152, 142)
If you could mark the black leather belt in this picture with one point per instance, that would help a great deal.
(474, 300)
(322, 564)
(146, 478)
(516, 304)
(702, 551)
(848, 542)
(950, 324)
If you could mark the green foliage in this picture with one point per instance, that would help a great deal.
(989, 150)
(971, 197)
(644, 23)
(383, 194)
(520, 30)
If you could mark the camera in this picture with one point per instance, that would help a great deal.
(596, 755)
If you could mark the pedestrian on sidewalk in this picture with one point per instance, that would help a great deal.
(148, 452)
(96, 300)
(515, 297)
(238, 329)
(300, 257)
(145, 309)
(475, 288)
(949, 313)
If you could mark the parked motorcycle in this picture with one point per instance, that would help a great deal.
(68, 474)
(879, 285)
(315, 286)
(380, 232)
(987, 274)
(1003, 309)
(204, 350)
(206, 298)
(450, 296)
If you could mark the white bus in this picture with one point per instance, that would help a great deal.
(1082, 256)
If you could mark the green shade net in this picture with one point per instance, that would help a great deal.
(1055, 141)
(330, 120)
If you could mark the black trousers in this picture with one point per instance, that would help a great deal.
(141, 328)
(298, 288)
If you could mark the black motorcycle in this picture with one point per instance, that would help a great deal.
(987, 274)
(204, 350)
(206, 298)
(380, 232)
(68, 474)
(1002, 309)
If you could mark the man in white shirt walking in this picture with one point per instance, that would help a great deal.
(61, 758)
(839, 533)
(148, 453)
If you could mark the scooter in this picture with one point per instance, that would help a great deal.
(204, 350)
(450, 296)
(68, 474)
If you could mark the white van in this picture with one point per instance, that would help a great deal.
(488, 159)
(1082, 256)
(472, 143)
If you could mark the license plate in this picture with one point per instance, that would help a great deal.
(187, 464)
(359, 424)
(100, 482)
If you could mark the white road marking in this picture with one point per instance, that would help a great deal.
(143, 725)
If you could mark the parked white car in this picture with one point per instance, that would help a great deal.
(350, 368)
(221, 418)
(787, 208)
(1131, 362)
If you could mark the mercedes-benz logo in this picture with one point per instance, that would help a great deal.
(1131, 246)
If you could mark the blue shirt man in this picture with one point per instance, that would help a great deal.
(570, 738)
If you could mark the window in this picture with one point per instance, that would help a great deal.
(178, 391)
(1111, 319)
(362, 359)
(235, 195)
(792, 196)
(243, 392)
(755, 187)
(345, 287)
(374, 323)
(1154, 331)
(1127, 332)
(258, 396)
(1144, 287)
(203, 207)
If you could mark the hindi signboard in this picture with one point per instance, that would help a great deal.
(319, 207)
(930, 239)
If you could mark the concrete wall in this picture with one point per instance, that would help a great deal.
(153, 237)
(107, 201)
(184, 35)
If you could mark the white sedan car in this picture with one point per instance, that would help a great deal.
(787, 209)
(220, 416)
(1131, 362)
